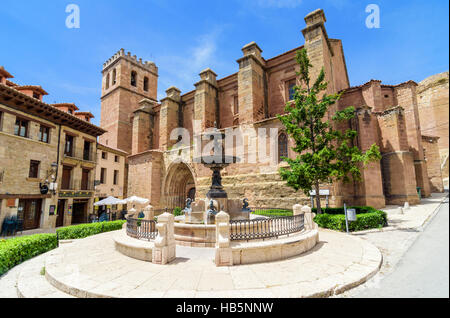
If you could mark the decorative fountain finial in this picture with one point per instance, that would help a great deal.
(188, 209)
(245, 208)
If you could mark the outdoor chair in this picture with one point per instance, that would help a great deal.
(4, 227)
(19, 226)
(103, 218)
(9, 226)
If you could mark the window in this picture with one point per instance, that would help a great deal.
(34, 169)
(116, 158)
(103, 176)
(236, 105)
(87, 151)
(104, 155)
(114, 76)
(133, 79)
(291, 89)
(70, 111)
(44, 134)
(107, 82)
(282, 147)
(21, 128)
(116, 177)
(146, 84)
(36, 95)
(68, 149)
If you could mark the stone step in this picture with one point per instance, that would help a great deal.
(31, 283)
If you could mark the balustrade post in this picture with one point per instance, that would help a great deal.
(224, 254)
(309, 218)
(164, 250)
(149, 213)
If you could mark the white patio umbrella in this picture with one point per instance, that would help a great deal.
(108, 201)
(136, 200)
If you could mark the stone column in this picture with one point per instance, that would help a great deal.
(297, 210)
(169, 117)
(143, 125)
(318, 47)
(206, 101)
(251, 85)
(224, 255)
(369, 191)
(164, 250)
(399, 176)
(407, 98)
(309, 218)
(149, 213)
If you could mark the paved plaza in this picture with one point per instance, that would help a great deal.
(93, 268)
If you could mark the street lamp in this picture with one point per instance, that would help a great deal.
(51, 185)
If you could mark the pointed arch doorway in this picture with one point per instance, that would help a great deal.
(178, 186)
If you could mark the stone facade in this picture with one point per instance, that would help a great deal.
(113, 180)
(44, 146)
(433, 160)
(432, 96)
(165, 172)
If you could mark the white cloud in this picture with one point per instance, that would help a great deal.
(183, 70)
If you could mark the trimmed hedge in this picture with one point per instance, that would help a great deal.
(274, 212)
(359, 210)
(85, 230)
(17, 250)
(364, 221)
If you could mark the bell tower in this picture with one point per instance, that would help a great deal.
(125, 82)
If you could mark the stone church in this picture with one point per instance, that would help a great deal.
(139, 124)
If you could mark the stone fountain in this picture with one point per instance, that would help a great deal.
(204, 211)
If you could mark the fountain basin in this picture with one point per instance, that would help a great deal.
(195, 235)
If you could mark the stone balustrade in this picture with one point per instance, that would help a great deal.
(164, 250)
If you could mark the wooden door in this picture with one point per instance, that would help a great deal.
(85, 180)
(32, 214)
(60, 218)
(67, 171)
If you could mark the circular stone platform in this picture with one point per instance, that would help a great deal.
(93, 268)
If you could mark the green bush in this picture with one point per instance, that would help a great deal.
(359, 210)
(364, 221)
(85, 230)
(177, 211)
(273, 213)
(17, 250)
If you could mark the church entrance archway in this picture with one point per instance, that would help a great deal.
(179, 185)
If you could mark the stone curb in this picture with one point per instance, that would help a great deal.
(433, 214)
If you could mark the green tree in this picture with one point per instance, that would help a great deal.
(324, 153)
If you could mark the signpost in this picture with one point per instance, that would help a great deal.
(322, 193)
(350, 216)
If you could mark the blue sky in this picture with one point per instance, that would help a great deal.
(185, 36)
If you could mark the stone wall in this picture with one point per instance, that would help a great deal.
(433, 97)
(433, 160)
